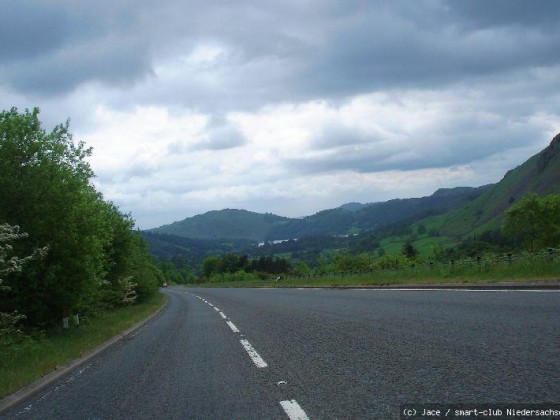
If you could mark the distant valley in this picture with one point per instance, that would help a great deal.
(445, 217)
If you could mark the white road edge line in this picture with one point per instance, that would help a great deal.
(293, 410)
(466, 290)
(232, 326)
(255, 357)
(223, 315)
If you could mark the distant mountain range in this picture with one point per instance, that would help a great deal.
(352, 217)
(455, 212)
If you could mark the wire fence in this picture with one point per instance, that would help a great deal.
(480, 262)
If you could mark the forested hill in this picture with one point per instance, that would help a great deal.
(224, 224)
(243, 224)
(353, 216)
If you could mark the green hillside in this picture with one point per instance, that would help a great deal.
(355, 217)
(347, 219)
(228, 223)
(539, 174)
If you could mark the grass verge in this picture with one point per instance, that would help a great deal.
(517, 271)
(34, 359)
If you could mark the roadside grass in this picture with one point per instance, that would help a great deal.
(515, 271)
(33, 359)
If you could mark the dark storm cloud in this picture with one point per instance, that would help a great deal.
(379, 49)
(277, 51)
(112, 62)
(51, 48)
(483, 13)
(28, 30)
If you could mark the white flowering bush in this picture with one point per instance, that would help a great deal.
(128, 290)
(10, 264)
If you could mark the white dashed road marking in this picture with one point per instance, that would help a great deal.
(232, 326)
(293, 410)
(255, 357)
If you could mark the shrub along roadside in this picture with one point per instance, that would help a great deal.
(89, 258)
(34, 358)
(525, 267)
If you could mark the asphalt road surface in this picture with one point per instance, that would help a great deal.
(318, 354)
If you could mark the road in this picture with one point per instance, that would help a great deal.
(289, 353)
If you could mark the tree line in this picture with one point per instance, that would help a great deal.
(63, 248)
(531, 224)
(233, 267)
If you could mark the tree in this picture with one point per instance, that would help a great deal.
(45, 179)
(535, 220)
(409, 251)
(47, 189)
(210, 266)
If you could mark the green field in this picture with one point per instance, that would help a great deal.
(488, 270)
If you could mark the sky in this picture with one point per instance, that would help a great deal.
(287, 107)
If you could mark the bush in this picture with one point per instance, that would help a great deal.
(46, 187)
(391, 261)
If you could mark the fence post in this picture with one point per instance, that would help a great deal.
(64, 318)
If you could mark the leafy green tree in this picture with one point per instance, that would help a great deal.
(270, 265)
(45, 179)
(409, 250)
(535, 220)
(301, 269)
(210, 266)
(177, 270)
(47, 190)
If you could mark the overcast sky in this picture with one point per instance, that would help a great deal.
(287, 107)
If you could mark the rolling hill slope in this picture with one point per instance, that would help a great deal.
(228, 223)
(243, 224)
(357, 217)
(539, 174)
